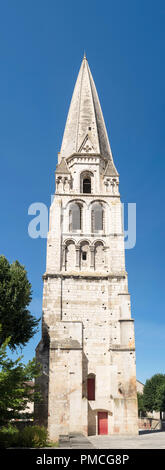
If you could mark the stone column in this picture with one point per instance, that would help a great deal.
(57, 184)
(77, 256)
(66, 185)
(63, 256)
(63, 184)
(106, 186)
(60, 184)
(92, 250)
(113, 187)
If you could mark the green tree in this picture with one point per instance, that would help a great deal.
(160, 398)
(141, 407)
(15, 390)
(154, 393)
(15, 296)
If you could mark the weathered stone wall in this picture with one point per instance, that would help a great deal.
(65, 396)
(90, 330)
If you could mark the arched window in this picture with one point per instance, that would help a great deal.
(86, 182)
(75, 217)
(91, 387)
(87, 185)
(97, 217)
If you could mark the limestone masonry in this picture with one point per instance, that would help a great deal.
(87, 350)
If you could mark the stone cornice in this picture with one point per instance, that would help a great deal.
(83, 275)
(86, 155)
(98, 196)
(121, 348)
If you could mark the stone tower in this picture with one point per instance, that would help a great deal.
(87, 349)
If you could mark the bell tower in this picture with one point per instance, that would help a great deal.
(87, 349)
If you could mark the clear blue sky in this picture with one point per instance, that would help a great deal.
(41, 48)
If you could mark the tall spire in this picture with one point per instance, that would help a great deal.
(85, 119)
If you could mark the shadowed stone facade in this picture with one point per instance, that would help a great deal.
(87, 349)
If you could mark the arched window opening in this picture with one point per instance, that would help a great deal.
(97, 217)
(75, 217)
(91, 387)
(87, 185)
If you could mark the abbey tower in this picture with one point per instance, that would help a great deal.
(87, 349)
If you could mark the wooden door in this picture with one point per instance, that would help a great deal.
(102, 422)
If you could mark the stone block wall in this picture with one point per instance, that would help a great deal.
(87, 335)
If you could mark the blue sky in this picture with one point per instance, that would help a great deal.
(41, 48)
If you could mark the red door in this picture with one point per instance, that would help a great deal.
(102, 422)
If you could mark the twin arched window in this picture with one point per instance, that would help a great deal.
(75, 217)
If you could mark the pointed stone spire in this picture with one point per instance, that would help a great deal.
(85, 128)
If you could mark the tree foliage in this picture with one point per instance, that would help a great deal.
(160, 398)
(141, 407)
(15, 296)
(15, 390)
(154, 393)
